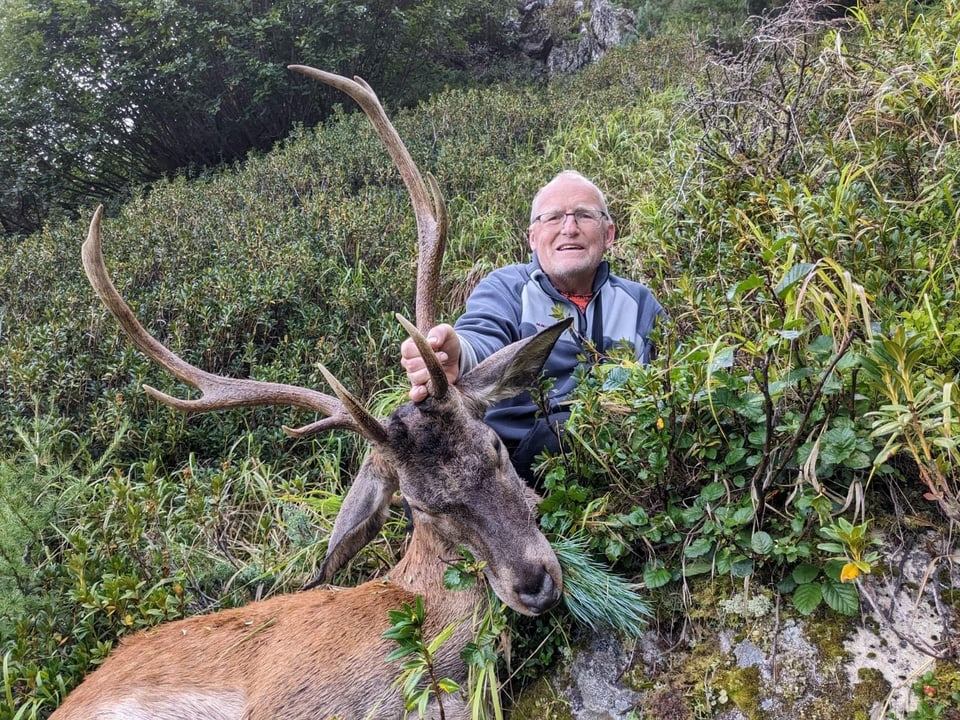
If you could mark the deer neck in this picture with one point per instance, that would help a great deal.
(422, 567)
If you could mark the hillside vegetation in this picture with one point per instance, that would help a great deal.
(793, 206)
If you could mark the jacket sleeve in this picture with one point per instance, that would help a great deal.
(649, 313)
(491, 319)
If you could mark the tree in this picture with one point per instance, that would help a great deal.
(99, 97)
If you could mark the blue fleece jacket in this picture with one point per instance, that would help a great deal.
(517, 301)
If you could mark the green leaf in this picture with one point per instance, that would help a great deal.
(761, 543)
(616, 378)
(857, 460)
(712, 492)
(754, 281)
(698, 548)
(843, 598)
(831, 547)
(792, 277)
(805, 573)
(741, 516)
(834, 568)
(448, 685)
(696, 568)
(401, 652)
(442, 637)
(656, 577)
(723, 359)
(691, 515)
(455, 579)
(807, 597)
(836, 444)
(787, 585)
(734, 456)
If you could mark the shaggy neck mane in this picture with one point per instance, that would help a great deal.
(422, 566)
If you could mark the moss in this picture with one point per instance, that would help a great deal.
(827, 633)
(541, 701)
(743, 688)
(666, 703)
(946, 676)
(705, 596)
(951, 596)
(635, 677)
(872, 688)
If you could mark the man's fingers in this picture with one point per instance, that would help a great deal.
(411, 361)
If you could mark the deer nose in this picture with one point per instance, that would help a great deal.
(541, 595)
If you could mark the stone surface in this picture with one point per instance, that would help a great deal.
(596, 691)
(566, 35)
(910, 619)
(759, 661)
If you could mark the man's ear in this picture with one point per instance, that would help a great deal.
(512, 369)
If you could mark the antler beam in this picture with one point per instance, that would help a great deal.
(217, 392)
(428, 206)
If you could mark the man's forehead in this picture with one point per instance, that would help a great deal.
(568, 191)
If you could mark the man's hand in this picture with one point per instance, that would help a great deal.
(443, 339)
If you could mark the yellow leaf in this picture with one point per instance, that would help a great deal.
(849, 573)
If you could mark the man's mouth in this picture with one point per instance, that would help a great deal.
(568, 246)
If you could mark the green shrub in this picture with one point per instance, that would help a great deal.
(809, 277)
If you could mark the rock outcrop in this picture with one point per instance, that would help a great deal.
(566, 35)
(754, 659)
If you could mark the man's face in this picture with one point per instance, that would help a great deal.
(570, 251)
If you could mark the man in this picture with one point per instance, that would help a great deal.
(570, 230)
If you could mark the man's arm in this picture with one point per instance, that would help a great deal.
(489, 322)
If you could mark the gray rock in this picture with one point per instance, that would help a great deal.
(566, 35)
(809, 667)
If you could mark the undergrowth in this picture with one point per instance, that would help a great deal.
(793, 206)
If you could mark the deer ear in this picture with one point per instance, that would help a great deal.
(364, 511)
(512, 369)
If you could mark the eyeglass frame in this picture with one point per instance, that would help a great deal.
(583, 213)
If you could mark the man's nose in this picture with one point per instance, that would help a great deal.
(570, 226)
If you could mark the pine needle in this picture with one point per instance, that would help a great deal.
(595, 596)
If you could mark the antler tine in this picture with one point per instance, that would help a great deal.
(438, 378)
(428, 205)
(217, 392)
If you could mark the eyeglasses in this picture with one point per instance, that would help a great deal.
(583, 218)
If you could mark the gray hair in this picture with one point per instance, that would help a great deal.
(568, 175)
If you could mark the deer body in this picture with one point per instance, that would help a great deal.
(315, 654)
(319, 654)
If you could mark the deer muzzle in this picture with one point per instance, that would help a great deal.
(539, 596)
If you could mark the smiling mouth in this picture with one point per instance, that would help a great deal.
(568, 247)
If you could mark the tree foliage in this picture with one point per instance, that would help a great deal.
(96, 97)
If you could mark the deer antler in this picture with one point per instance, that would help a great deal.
(217, 392)
(428, 208)
(347, 413)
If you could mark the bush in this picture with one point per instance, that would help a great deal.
(808, 366)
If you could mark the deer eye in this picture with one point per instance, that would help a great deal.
(497, 445)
